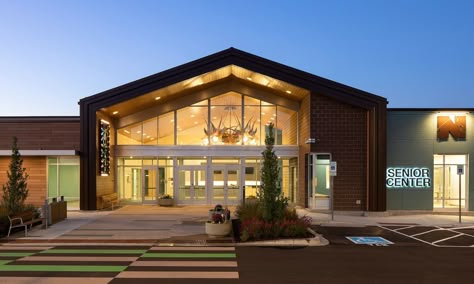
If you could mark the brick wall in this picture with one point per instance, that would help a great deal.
(341, 129)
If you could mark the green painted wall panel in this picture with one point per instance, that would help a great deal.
(412, 142)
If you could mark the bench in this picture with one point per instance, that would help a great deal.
(110, 199)
(24, 219)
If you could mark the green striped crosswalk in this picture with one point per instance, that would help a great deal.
(94, 251)
(102, 263)
(190, 255)
(2, 262)
(63, 268)
(16, 254)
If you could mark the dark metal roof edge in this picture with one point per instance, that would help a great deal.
(223, 58)
(312, 78)
(431, 109)
(30, 119)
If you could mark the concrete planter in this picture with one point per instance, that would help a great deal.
(166, 202)
(218, 230)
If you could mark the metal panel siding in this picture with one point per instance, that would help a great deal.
(40, 135)
(412, 142)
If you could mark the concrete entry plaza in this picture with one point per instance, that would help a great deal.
(130, 222)
(185, 224)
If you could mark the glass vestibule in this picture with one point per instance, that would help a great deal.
(144, 180)
(446, 181)
(198, 180)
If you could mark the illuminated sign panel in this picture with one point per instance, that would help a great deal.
(451, 124)
(408, 178)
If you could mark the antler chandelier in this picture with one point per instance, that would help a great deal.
(233, 133)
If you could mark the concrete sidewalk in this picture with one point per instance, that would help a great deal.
(147, 223)
(342, 219)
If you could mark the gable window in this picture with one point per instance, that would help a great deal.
(228, 119)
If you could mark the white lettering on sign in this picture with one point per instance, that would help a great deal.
(408, 178)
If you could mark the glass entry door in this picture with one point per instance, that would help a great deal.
(226, 188)
(446, 181)
(192, 185)
(150, 188)
(319, 183)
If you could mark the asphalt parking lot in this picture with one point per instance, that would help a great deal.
(436, 235)
(402, 235)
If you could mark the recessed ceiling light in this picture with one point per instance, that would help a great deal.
(172, 120)
(126, 131)
(263, 113)
(139, 131)
(288, 91)
(115, 112)
(274, 114)
(248, 78)
(157, 98)
(192, 115)
(195, 122)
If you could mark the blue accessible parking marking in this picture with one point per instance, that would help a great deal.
(371, 241)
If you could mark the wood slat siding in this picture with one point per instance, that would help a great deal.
(304, 121)
(37, 180)
(40, 135)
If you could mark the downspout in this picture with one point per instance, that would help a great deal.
(367, 154)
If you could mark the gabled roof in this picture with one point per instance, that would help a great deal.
(235, 57)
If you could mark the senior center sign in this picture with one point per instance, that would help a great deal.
(405, 177)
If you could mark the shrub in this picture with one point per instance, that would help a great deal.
(258, 229)
(248, 211)
(15, 190)
(254, 227)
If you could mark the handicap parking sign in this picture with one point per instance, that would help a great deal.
(371, 241)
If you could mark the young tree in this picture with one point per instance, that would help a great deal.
(15, 190)
(272, 202)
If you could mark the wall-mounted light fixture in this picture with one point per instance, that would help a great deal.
(310, 141)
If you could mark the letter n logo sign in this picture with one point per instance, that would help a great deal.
(457, 128)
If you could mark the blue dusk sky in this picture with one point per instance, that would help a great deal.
(417, 54)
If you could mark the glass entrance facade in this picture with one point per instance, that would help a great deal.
(223, 127)
(198, 181)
